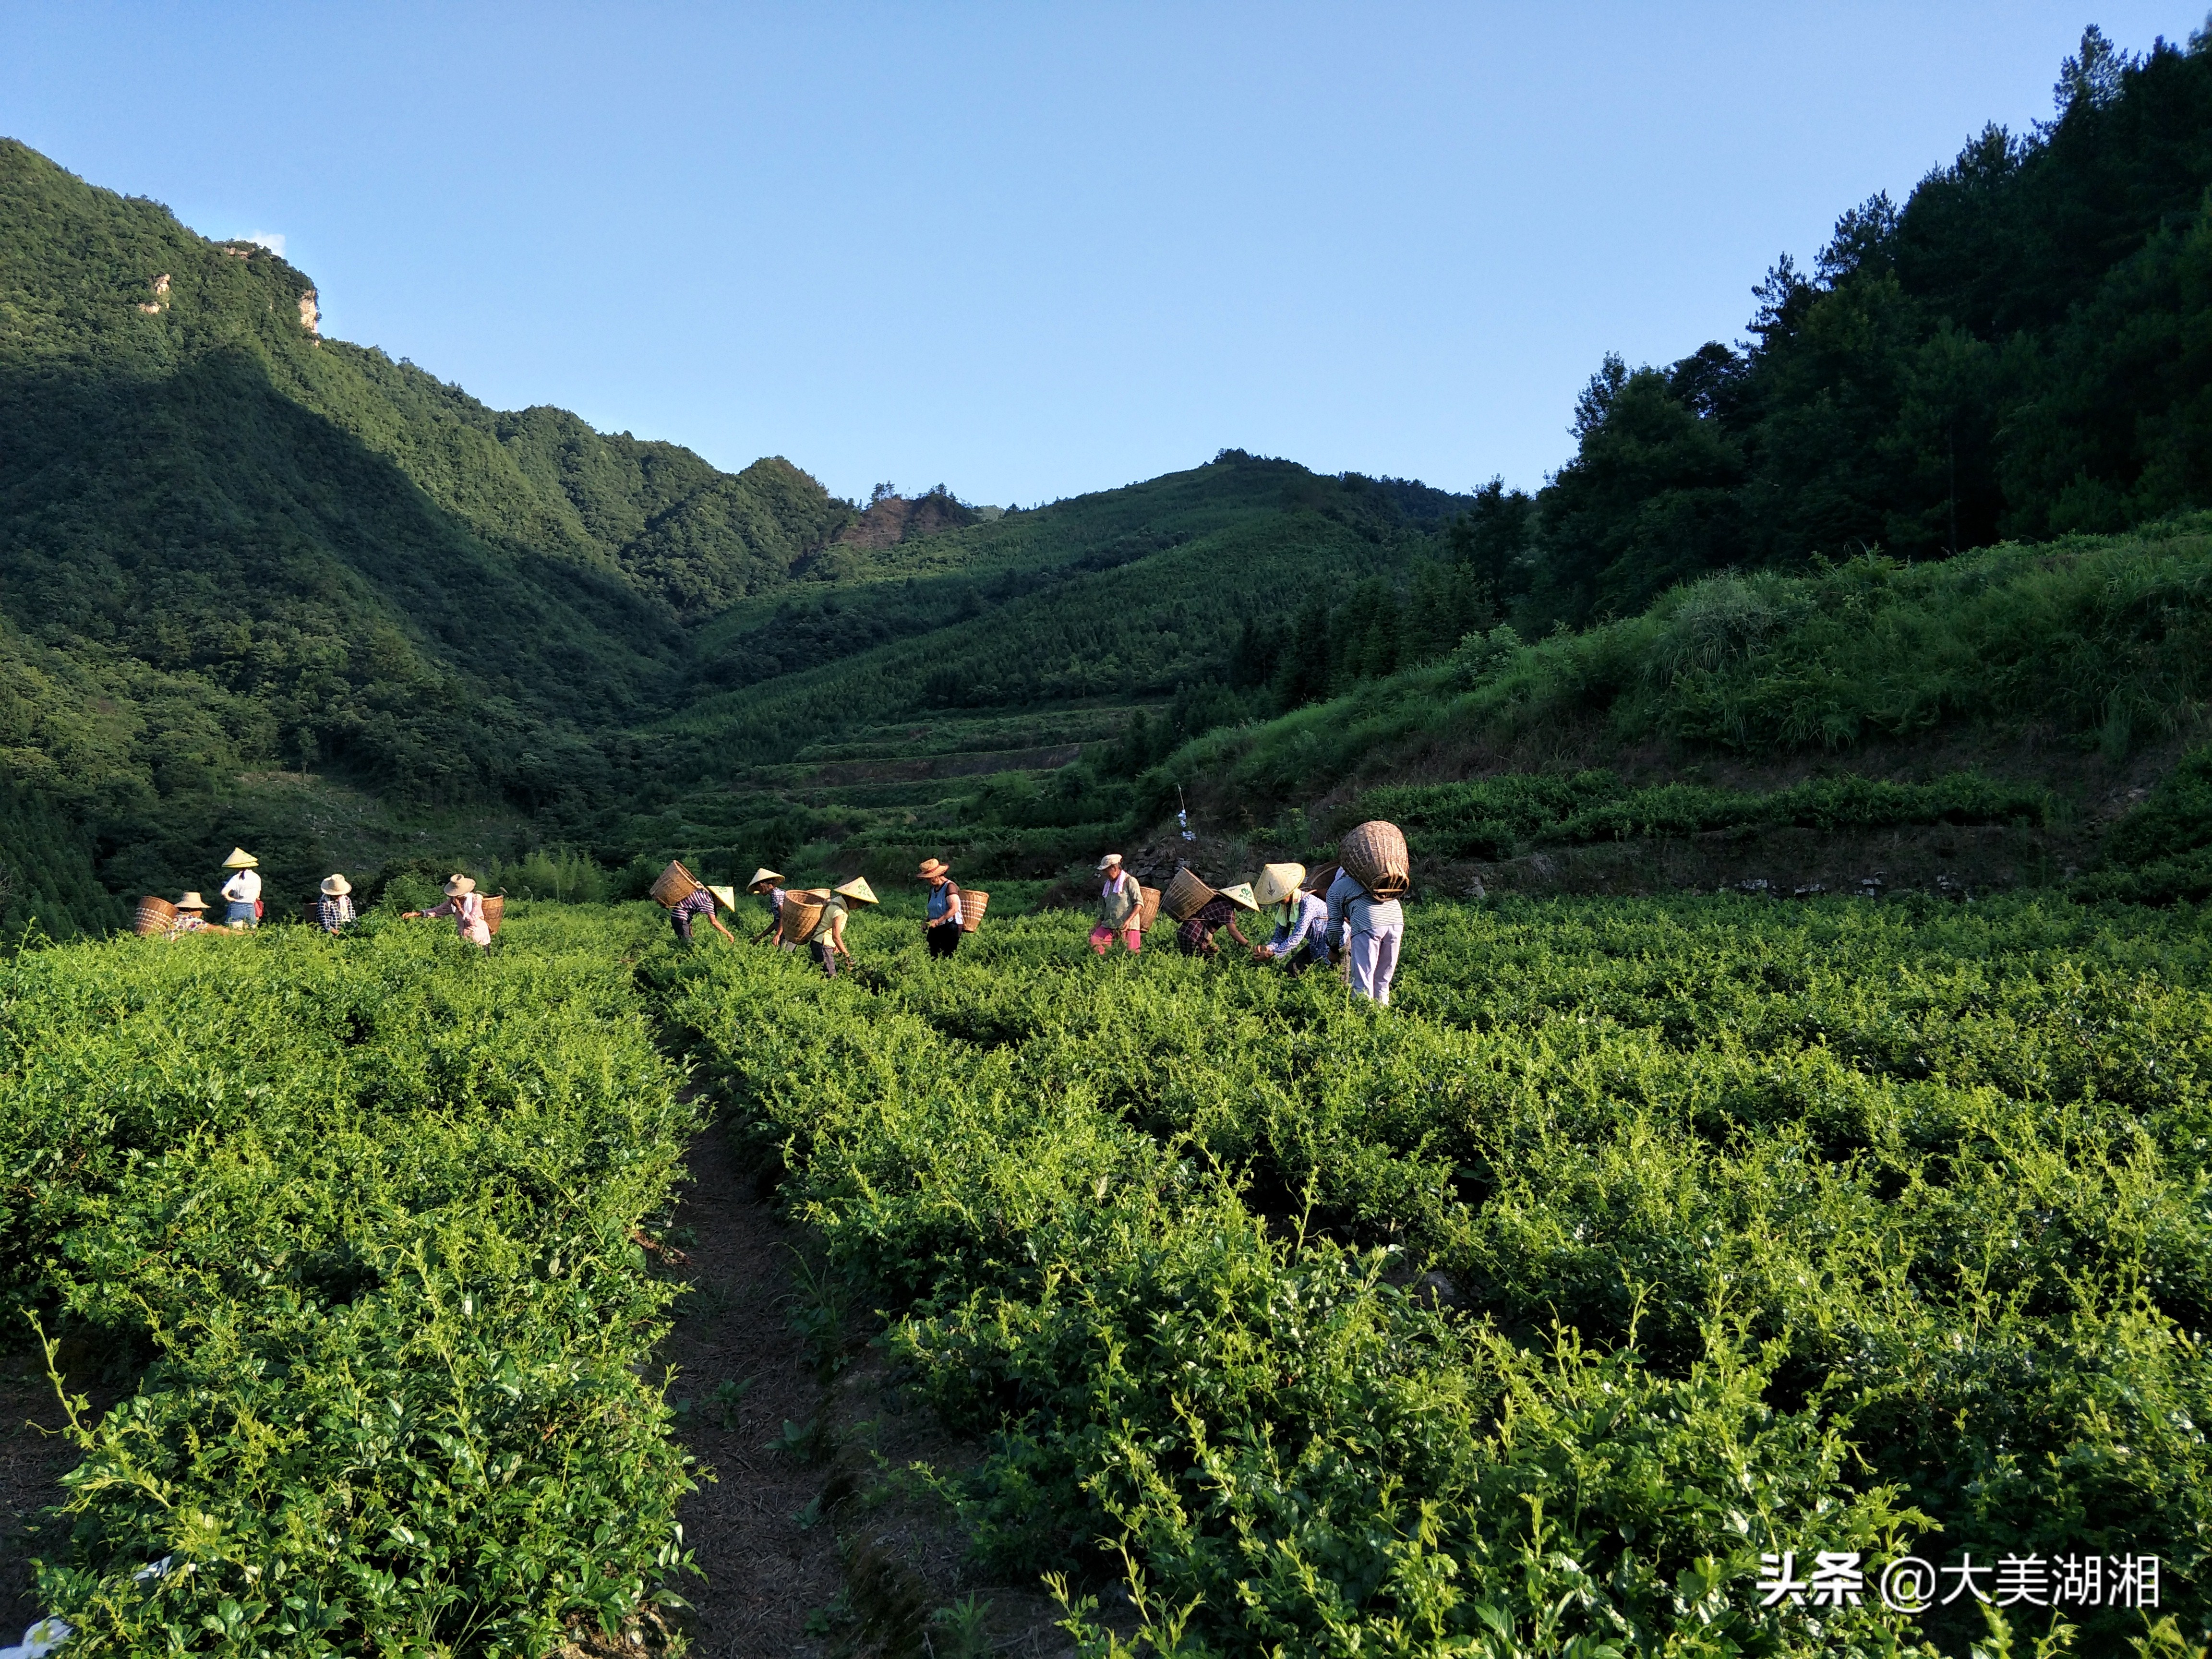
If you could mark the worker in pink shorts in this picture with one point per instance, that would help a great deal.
(1119, 901)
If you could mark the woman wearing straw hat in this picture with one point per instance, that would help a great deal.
(334, 909)
(1195, 936)
(1301, 939)
(940, 923)
(764, 883)
(1121, 900)
(465, 905)
(243, 890)
(191, 916)
(702, 903)
(828, 937)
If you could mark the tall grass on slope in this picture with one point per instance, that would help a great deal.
(2104, 640)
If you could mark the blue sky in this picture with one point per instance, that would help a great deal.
(1032, 249)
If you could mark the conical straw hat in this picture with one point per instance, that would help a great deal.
(725, 897)
(858, 890)
(764, 874)
(239, 859)
(1277, 882)
(1241, 896)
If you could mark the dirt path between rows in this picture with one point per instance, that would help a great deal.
(813, 1548)
(32, 1463)
(765, 1572)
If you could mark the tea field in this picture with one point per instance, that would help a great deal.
(361, 1217)
(1640, 1240)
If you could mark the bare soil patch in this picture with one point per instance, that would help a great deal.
(34, 1457)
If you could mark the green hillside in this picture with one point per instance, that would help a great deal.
(228, 547)
(257, 584)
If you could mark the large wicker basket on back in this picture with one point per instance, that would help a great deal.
(495, 911)
(801, 915)
(674, 885)
(1149, 911)
(1374, 854)
(974, 901)
(155, 915)
(1186, 896)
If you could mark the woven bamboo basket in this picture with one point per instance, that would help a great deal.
(1149, 911)
(155, 915)
(674, 885)
(974, 901)
(1374, 854)
(802, 914)
(495, 908)
(1186, 896)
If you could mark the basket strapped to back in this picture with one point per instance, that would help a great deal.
(674, 885)
(1186, 896)
(801, 915)
(1149, 911)
(974, 901)
(1374, 854)
(155, 915)
(493, 908)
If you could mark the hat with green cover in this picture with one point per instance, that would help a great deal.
(1241, 896)
(858, 890)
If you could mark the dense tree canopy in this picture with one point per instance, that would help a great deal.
(2018, 352)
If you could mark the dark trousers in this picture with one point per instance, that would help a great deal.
(943, 938)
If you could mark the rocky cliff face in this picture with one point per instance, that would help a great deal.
(890, 519)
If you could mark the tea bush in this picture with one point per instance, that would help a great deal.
(367, 1210)
(1639, 1238)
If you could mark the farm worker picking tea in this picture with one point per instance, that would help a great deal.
(940, 922)
(1301, 939)
(702, 903)
(828, 939)
(764, 883)
(1119, 901)
(1195, 936)
(191, 916)
(243, 890)
(465, 905)
(1377, 929)
(334, 909)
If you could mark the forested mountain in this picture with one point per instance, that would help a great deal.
(232, 552)
(231, 548)
(2020, 351)
(228, 546)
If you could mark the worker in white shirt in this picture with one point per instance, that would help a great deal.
(243, 890)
